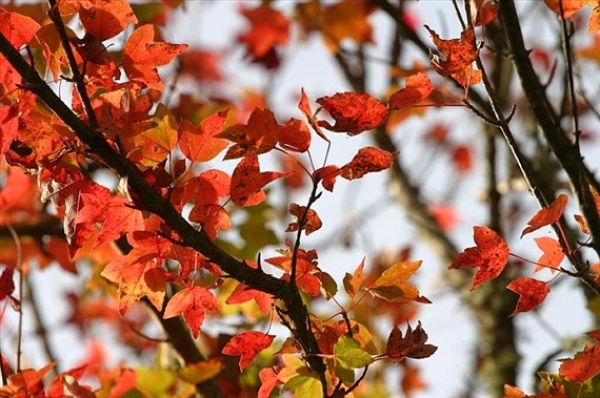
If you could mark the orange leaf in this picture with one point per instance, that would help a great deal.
(29, 382)
(18, 29)
(594, 21)
(294, 136)
(259, 135)
(418, 87)
(268, 28)
(268, 381)
(212, 217)
(312, 222)
(569, 7)
(105, 19)
(531, 291)
(513, 392)
(411, 379)
(247, 344)
(490, 255)
(553, 254)
(306, 109)
(583, 367)
(346, 20)
(137, 276)
(547, 215)
(486, 12)
(192, 302)
(353, 112)
(141, 56)
(200, 144)
(368, 159)
(243, 293)
(412, 345)
(580, 219)
(392, 286)
(457, 56)
(353, 282)
(327, 175)
(247, 182)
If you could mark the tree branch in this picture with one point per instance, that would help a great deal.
(157, 204)
(566, 151)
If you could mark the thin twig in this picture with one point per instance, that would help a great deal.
(40, 327)
(19, 265)
(54, 14)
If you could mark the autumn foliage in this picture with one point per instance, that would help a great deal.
(185, 211)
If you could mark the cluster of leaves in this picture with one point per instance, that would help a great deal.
(140, 253)
(157, 237)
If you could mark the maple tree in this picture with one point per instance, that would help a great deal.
(184, 209)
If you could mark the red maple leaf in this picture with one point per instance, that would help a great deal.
(418, 87)
(247, 344)
(137, 276)
(141, 56)
(268, 381)
(531, 291)
(202, 65)
(247, 182)
(243, 293)
(584, 366)
(200, 144)
(457, 57)
(192, 302)
(268, 28)
(105, 19)
(547, 215)
(18, 29)
(367, 160)
(490, 255)
(353, 282)
(258, 136)
(294, 136)
(553, 254)
(353, 112)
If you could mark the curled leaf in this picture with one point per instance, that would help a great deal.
(412, 345)
(312, 221)
(418, 87)
(353, 112)
(368, 159)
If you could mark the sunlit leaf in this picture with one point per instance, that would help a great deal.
(531, 291)
(247, 345)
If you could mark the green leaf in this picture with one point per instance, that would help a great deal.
(156, 382)
(306, 385)
(349, 355)
(346, 375)
(328, 285)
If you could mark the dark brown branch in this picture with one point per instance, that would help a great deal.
(54, 14)
(530, 176)
(566, 151)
